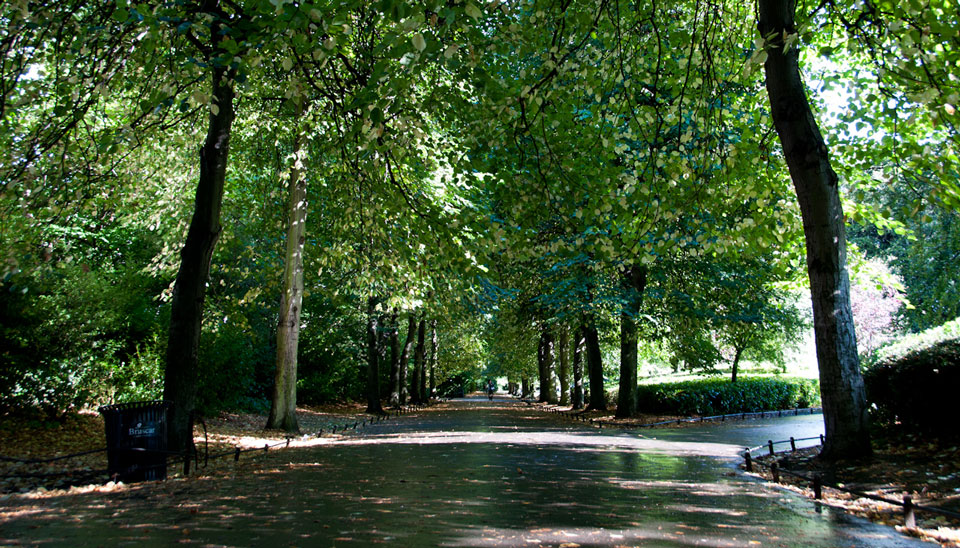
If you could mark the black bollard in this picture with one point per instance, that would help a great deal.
(909, 519)
(817, 487)
(236, 455)
(793, 444)
(770, 445)
(749, 461)
(775, 470)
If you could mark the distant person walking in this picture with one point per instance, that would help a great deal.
(491, 388)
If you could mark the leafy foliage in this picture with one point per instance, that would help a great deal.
(495, 167)
(915, 381)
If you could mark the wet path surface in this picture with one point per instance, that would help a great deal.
(466, 473)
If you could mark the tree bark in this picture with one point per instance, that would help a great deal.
(547, 392)
(405, 357)
(738, 351)
(433, 359)
(564, 374)
(283, 408)
(189, 290)
(633, 282)
(598, 400)
(578, 344)
(816, 184)
(422, 359)
(394, 400)
(540, 363)
(525, 388)
(373, 359)
(417, 382)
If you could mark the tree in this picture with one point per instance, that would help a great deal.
(816, 184)
(578, 344)
(634, 280)
(433, 359)
(283, 407)
(395, 351)
(373, 359)
(598, 394)
(189, 291)
(563, 356)
(545, 361)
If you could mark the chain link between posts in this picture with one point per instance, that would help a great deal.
(175, 456)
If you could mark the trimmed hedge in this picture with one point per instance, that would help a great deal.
(917, 387)
(720, 396)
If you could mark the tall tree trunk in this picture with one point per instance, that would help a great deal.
(547, 392)
(598, 399)
(415, 380)
(189, 290)
(578, 345)
(564, 374)
(383, 345)
(433, 359)
(633, 282)
(283, 408)
(394, 361)
(415, 396)
(816, 184)
(421, 358)
(373, 359)
(405, 357)
(541, 365)
(738, 351)
(525, 388)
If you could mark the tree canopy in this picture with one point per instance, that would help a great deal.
(503, 171)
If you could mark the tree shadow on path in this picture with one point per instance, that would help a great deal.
(464, 474)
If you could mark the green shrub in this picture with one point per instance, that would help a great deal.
(235, 367)
(915, 383)
(914, 342)
(720, 396)
(140, 379)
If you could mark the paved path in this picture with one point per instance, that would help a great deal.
(465, 473)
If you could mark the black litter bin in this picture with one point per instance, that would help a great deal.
(136, 440)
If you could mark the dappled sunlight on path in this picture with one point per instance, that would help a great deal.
(465, 473)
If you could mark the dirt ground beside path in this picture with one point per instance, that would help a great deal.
(928, 472)
(25, 438)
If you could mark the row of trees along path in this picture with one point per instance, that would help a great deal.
(473, 154)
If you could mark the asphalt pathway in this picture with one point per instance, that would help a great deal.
(465, 473)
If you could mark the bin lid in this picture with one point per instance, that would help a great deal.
(132, 406)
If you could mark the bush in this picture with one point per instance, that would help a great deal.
(915, 383)
(914, 342)
(720, 396)
(235, 367)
